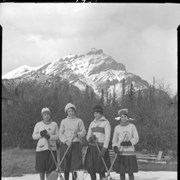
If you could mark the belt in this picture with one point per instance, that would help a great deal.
(94, 144)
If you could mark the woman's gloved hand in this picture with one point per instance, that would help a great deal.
(126, 143)
(43, 133)
(92, 138)
(116, 150)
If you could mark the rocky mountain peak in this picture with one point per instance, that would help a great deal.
(95, 69)
(95, 51)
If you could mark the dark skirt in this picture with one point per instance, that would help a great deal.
(45, 162)
(125, 164)
(93, 162)
(73, 158)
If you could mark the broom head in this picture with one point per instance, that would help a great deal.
(53, 175)
(108, 178)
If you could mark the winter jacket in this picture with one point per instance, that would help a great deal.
(101, 129)
(52, 131)
(71, 129)
(125, 133)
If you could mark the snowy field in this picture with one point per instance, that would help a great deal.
(141, 175)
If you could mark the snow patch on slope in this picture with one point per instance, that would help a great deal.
(19, 72)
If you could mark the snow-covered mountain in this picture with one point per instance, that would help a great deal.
(95, 69)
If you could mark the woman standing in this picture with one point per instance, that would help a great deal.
(71, 131)
(99, 131)
(124, 138)
(46, 132)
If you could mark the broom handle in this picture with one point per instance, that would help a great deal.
(65, 154)
(57, 165)
(52, 154)
(85, 155)
(121, 148)
(108, 173)
(101, 157)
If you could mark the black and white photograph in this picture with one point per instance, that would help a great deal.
(89, 91)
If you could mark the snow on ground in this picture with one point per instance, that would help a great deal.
(141, 175)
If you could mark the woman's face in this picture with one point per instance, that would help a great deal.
(71, 112)
(97, 115)
(46, 116)
(124, 118)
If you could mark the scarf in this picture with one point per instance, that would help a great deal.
(124, 123)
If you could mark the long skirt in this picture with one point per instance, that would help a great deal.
(73, 158)
(93, 162)
(45, 162)
(125, 164)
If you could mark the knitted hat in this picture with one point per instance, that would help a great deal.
(123, 112)
(45, 110)
(98, 108)
(69, 105)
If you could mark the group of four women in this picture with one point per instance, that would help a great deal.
(70, 134)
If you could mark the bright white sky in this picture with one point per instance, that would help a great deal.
(141, 36)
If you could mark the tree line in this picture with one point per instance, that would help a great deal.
(154, 111)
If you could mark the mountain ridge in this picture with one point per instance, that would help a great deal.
(95, 69)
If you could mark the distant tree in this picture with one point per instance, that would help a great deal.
(130, 98)
(155, 112)
(139, 107)
(102, 96)
(113, 98)
(123, 92)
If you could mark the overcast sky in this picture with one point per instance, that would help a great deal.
(141, 36)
